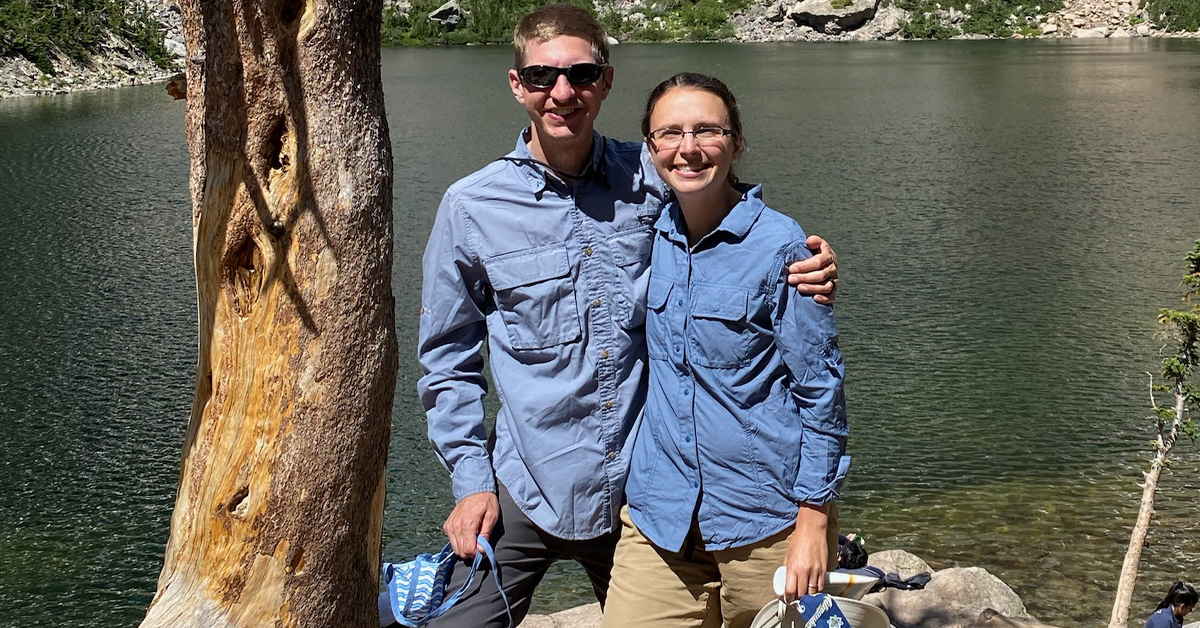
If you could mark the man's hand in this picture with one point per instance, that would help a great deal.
(473, 515)
(808, 553)
(818, 274)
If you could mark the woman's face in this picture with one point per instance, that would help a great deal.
(692, 166)
(1181, 609)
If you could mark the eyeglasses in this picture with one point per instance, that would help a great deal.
(664, 139)
(545, 76)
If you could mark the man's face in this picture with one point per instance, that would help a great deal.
(562, 113)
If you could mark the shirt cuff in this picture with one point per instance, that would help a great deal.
(471, 476)
(817, 492)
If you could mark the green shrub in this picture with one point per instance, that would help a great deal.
(986, 17)
(33, 28)
(922, 23)
(487, 22)
(1175, 15)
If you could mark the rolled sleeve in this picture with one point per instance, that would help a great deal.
(452, 332)
(808, 341)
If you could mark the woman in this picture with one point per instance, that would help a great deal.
(742, 446)
(1180, 601)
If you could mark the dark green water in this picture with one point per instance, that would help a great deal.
(1009, 217)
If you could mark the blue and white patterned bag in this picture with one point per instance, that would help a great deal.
(416, 590)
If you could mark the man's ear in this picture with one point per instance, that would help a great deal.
(514, 82)
(608, 82)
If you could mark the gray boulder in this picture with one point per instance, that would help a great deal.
(400, 7)
(899, 562)
(775, 12)
(587, 616)
(887, 23)
(449, 14)
(992, 618)
(1090, 33)
(954, 598)
(176, 48)
(833, 16)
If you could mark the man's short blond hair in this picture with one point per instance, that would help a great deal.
(554, 20)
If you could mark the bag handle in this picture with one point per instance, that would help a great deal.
(453, 599)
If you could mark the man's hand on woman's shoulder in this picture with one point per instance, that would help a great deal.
(817, 275)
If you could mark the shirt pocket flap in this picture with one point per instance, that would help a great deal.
(657, 292)
(527, 267)
(631, 247)
(726, 304)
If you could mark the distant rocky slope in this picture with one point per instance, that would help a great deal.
(116, 62)
(839, 20)
(119, 62)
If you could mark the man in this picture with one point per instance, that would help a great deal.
(543, 255)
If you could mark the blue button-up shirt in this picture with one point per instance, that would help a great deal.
(745, 417)
(551, 272)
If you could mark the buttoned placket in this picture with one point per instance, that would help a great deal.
(595, 259)
(687, 380)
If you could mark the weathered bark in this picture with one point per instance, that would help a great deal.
(279, 511)
(1165, 440)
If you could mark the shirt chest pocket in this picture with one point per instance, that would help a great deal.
(631, 254)
(658, 326)
(535, 296)
(722, 330)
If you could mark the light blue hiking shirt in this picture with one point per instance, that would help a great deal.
(745, 416)
(550, 272)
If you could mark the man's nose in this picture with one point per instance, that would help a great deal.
(562, 89)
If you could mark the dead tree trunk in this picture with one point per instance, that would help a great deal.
(1168, 432)
(279, 510)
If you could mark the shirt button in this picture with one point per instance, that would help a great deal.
(677, 349)
(608, 405)
(695, 484)
(612, 455)
(679, 302)
(604, 354)
(687, 439)
(596, 302)
(587, 250)
(686, 392)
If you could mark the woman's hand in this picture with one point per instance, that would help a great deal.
(807, 553)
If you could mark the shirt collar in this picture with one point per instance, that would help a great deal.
(737, 222)
(535, 173)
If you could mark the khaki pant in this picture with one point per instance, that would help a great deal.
(654, 588)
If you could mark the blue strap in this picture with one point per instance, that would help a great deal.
(453, 599)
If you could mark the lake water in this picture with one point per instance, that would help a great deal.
(1009, 217)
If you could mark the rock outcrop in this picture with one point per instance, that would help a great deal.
(449, 15)
(833, 16)
(117, 62)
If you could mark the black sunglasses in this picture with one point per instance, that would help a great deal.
(545, 76)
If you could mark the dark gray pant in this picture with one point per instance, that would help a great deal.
(524, 552)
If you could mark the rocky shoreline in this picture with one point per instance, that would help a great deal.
(119, 63)
(873, 20)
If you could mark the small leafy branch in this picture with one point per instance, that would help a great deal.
(1179, 378)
